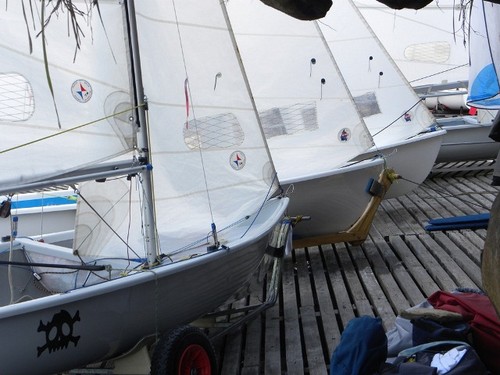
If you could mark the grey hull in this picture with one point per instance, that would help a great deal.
(87, 325)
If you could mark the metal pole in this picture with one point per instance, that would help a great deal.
(150, 239)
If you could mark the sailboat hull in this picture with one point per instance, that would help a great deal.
(412, 159)
(334, 201)
(39, 213)
(466, 140)
(64, 331)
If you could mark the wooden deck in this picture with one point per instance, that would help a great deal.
(398, 266)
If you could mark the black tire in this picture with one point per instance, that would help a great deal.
(182, 350)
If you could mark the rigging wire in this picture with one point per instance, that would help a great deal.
(189, 102)
(70, 129)
(106, 223)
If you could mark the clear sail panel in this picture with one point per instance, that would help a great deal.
(64, 98)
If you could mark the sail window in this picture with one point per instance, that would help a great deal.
(433, 52)
(289, 120)
(16, 98)
(219, 131)
(367, 104)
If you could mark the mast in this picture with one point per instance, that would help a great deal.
(150, 239)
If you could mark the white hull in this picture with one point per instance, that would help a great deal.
(86, 325)
(454, 102)
(334, 201)
(41, 213)
(412, 159)
(465, 140)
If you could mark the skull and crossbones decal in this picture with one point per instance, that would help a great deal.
(59, 332)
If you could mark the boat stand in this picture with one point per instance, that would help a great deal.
(358, 232)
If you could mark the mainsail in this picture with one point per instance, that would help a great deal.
(391, 109)
(91, 93)
(307, 113)
(484, 45)
(428, 44)
(210, 160)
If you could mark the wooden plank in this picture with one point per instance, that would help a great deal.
(340, 298)
(472, 249)
(373, 289)
(383, 221)
(415, 268)
(251, 364)
(398, 266)
(454, 271)
(330, 328)
(293, 353)
(396, 216)
(440, 205)
(315, 360)
(398, 270)
(312, 342)
(475, 238)
(472, 269)
(416, 213)
(231, 346)
(232, 354)
(387, 281)
(454, 198)
(410, 226)
(363, 306)
(430, 262)
(420, 202)
(272, 352)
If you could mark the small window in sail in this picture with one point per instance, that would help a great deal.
(16, 98)
(367, 104)
(219, 131)
(289, 120)
(433, 52)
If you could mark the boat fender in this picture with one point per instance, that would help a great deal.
(375, 188)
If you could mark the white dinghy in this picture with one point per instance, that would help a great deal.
(310, 120)
(431, 46)
(135, 100)
(395, 116)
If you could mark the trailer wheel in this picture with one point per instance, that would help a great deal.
(183, 351)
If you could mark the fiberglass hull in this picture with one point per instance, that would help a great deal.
(412, 159)
(64, 331)
(334, 201)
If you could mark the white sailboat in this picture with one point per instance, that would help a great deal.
(468, 136)
(431, 48)
(39, 213)
(148, 254)
(310, 120)
(393, 113)
(484, 71)
(428, 45)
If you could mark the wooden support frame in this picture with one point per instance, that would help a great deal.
(358, 232)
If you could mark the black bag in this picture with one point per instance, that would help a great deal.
(418, 359)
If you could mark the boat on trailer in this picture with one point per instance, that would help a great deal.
(128, 96)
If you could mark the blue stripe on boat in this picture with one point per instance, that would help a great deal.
(43, 202)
